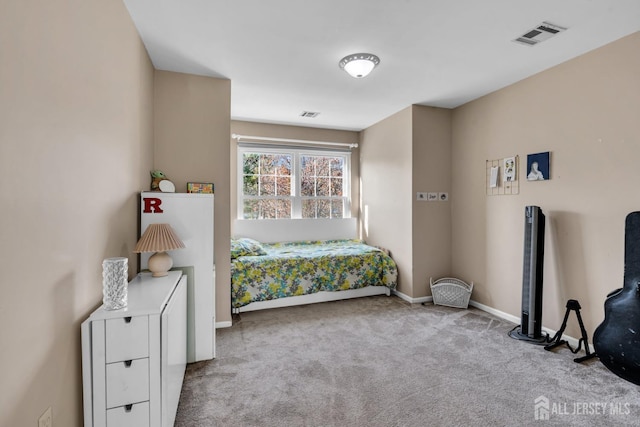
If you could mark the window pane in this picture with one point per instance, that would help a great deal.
(283, 164)
(268, 209)
(322, 187)
(308, 208)
(322, 166)
(337, 166)
(267, 185)
(308, 165)
(336, 187)
(268, 164)
(324, 209)
(283, 209)
(250, 185)
(283, 186)
(337, 209)
(307, 176)
(250, 164)
(308, 187)
(251, 209)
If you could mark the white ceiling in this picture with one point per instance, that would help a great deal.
(282, 55)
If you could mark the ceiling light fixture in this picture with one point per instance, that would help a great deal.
(359, 65)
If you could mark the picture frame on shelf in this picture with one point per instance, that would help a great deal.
(200, 187)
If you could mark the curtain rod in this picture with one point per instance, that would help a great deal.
(298, 141)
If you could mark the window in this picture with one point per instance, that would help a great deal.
(278, 183)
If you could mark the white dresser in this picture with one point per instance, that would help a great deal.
(133, 359)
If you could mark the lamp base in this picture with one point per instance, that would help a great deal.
(159, 264)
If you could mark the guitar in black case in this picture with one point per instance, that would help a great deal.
(617, 339)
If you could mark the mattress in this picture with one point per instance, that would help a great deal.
(271, 271)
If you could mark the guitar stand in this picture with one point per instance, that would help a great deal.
(557, 341)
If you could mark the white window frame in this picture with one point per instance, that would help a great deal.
(296, 198)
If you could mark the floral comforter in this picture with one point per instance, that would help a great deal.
(300, 268)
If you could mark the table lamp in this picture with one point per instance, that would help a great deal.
(159, 238)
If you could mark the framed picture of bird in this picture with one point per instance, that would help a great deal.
(200, 187)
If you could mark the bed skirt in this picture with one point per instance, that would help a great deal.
(322, 296)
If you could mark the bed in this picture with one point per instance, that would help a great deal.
(291, 273)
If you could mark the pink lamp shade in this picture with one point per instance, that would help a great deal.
(159, 238)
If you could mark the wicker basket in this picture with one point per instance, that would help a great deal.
(451, 292)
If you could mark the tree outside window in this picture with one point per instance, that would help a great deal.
(280, 183)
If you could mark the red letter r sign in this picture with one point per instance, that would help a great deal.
(152, 205)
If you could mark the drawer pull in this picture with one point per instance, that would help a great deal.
(127, 363)
(127, 319)
(127, 408)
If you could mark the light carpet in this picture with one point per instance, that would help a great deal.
(379, 361)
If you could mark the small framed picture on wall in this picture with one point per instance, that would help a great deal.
(538, 168)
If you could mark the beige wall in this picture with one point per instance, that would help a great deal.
(386, 190)
(406, 153)
(292, 132)
(75, 148)
(585, 112)
(431, 221)
(191, 139)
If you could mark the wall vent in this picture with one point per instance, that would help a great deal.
(539, 34)
(310, 114)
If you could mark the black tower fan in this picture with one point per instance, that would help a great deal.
(530, 328)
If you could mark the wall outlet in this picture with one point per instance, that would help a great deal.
(429, 197)
(443, 197)
(46, 420)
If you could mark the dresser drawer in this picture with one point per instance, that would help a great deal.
(136, 415)
(127, 338)
(127, 382)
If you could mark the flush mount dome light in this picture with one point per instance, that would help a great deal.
(358, 65)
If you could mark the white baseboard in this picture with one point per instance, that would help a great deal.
(412, 300)
(573, 342)
(225, 324)
(497, 313)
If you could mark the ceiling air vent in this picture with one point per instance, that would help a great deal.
(539, 34)
(310, 114)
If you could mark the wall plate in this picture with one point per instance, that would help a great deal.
(443, 197)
